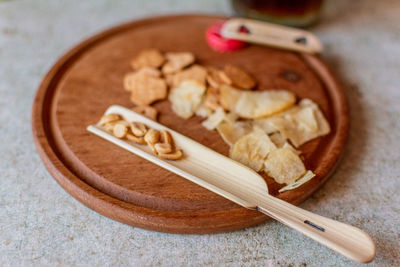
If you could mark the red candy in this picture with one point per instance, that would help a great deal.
(219, 43)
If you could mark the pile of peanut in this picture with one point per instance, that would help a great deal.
(160, 142)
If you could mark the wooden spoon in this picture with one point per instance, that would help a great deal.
(245, 187)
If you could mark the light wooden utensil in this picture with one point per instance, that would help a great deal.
(245, 187)
(269, 34)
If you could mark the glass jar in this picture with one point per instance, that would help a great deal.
(295, 13)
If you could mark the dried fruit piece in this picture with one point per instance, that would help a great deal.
(231, 131)
(306, 119)
(239, 77)
(109, 118)
(277, 139)
(229, 96)
(148, 58)
(177, 61)
(196, 72)
(252, 149)
(203, 110)
(186, 98)
(304, 179)
(298, 125)
(172, 156)
(216, 118)
(147, 89)
(255, 104)
(147, 111)
(284, 165)
(265, 124)
(263, 103)
(287, 145)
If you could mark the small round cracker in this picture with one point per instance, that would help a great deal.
(239, 77)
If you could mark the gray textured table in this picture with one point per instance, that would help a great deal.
(42, 225)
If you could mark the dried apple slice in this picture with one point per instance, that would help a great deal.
(304, 179)
(255, 104)
(284, 165)
(301, 123)
(231, 131)
(252, 149)
(216, 118)
(187, 98)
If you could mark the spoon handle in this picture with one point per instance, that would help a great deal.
(345, 239)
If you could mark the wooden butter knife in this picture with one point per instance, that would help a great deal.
(243, 186)
(269, 34)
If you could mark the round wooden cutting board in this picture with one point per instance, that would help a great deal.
(120, 185)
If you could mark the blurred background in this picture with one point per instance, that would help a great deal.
(41, 225)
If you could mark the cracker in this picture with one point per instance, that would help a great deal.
(146, 89)
(213, 78)
(213, 99)
(147, 111)
(148, 58)
(177, 61)
(224, 78)
(151, 71)
(131, 78)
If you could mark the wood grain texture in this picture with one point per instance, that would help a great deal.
(117, 184)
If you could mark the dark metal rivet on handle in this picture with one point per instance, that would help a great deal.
(301, 40)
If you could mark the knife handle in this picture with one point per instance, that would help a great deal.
(345, 239)
(269, 34)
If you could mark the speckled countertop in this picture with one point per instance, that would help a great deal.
(41, 225)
